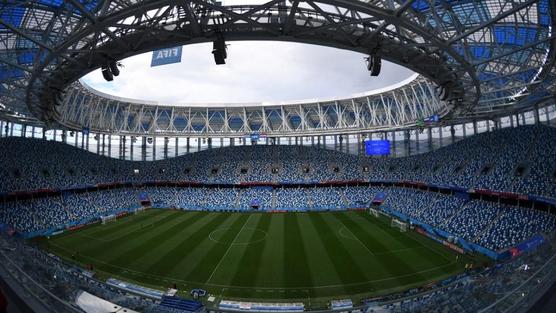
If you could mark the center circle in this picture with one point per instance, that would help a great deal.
(235, 237)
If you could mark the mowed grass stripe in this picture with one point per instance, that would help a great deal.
(421, 259)
(100, 255)
(394, 239)
(207, 260)
(393, 264)
(228, 263)
(318, 257)
(347, 266)
(159, 254)
(97, 231)
(230, 245)
(94, 245)
(272, 273)
(173, 263)
(140, 252)
(303, 255)
(296, 265)
(424, 265)
(390, 238)
(134, 235)
(142, 225)
(120, 225)
(247, 268)
(428, 257)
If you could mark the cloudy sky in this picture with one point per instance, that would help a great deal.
(254, 72)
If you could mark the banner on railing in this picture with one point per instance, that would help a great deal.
(526, 246)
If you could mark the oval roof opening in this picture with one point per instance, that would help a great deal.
(255, 71)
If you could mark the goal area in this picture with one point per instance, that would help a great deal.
(402, 226)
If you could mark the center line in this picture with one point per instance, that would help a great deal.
(229, 248)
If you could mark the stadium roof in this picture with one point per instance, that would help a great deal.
(495, 56)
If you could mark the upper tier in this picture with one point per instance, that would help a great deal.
(516, 160)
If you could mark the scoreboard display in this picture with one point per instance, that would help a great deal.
(377, 147)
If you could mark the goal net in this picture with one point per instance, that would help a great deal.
(399, 224)
(373, 212)
(139, 210)
(107, 219)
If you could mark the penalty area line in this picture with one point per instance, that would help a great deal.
(355, 237)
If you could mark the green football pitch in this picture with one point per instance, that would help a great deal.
(307, 257)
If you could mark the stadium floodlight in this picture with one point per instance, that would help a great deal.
(377, 64)
(110, 69)
(219, 50)
(444, 91)
(374, 64)
(114, 68)
(107, 73)
(441, 92)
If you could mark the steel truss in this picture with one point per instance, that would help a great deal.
(400, 107)
(494, 55)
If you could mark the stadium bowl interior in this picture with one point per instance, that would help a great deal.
(436, 194)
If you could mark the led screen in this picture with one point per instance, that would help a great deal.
(377, 147)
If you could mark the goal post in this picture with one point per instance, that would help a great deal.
(107, 218)
(402, 226)
(373, 212)
(139, 210)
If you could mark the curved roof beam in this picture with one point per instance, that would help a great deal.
(499, 53)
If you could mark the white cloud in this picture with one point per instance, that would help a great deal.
(254, 72)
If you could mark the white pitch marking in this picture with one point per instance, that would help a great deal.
(356, 238)
(229, 248)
